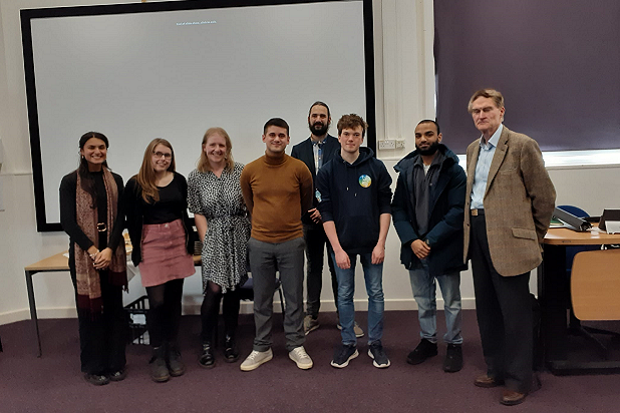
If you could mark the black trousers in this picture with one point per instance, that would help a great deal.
(316, 240)
(504, 311)
(103, 337)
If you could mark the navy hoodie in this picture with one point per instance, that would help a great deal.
(354, 196)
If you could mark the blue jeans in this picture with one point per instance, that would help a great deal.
(423, 287)
(373, 274)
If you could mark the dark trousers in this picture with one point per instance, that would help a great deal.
(265, 260)
(504, 311)
(103, 336)
(164, 315)
(316, 240)
(210, 310)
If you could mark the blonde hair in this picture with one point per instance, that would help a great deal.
(203, 163)
(146, 175)
(495, 95)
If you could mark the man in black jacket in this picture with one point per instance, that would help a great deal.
(315, 152)
(428, 217)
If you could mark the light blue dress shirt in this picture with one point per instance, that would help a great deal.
(483, 165)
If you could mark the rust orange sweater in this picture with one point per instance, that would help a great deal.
(277, 191)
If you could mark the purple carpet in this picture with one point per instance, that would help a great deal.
(54, 383)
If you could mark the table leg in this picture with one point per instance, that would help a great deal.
(554, 293)
(33, 308)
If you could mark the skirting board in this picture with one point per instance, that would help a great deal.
(246, 308)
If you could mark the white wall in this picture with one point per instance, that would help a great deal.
(405, 83)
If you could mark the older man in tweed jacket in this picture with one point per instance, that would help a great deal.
(509, 203)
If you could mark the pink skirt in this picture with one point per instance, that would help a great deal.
(164, 255)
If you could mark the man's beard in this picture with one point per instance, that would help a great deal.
(318, 129)
(430, 150)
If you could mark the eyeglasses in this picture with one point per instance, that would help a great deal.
(160, 154)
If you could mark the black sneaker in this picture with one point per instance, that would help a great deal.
(96, 379)
(118, 375)
(377, 354)
(343, 355)
(423, 351)
(454, 359)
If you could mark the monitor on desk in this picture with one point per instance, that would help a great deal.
(610, 221)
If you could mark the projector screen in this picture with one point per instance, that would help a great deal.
(171, 70)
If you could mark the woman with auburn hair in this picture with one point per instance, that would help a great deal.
(224, 227)
(161, 235)
(91, 213)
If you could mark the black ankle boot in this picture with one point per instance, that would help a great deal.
(207, 359)
(159, 370)
(176, 367)
(230, 351)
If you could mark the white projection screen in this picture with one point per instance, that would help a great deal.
(171, 70)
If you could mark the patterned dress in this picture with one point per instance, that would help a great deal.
(224, 250)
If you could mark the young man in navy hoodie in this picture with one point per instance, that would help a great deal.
(428, 217)
(354, 200)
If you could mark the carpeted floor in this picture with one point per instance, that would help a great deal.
(53, 383)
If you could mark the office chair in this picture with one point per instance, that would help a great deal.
(595, 288)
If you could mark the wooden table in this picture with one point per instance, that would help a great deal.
(55, 263)
(554, 296)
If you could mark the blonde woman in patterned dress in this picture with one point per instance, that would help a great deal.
(214, 196)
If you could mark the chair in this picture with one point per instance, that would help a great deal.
(595, 291)
(574, 325)
(246, 291)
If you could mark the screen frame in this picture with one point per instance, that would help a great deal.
(27, 15)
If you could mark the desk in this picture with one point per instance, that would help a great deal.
(55, 263)
(554, 296)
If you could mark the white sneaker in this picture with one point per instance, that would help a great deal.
(299, 356)
(255, 359)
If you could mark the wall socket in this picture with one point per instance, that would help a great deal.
(387, 144)
(400, 144)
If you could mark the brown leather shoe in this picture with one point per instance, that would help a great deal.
(487, 382)
(511, 398)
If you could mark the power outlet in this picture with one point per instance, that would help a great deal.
(386, 144)
(400, 144)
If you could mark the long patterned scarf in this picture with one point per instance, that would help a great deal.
(87, 277)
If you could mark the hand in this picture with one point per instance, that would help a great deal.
(378, 254)
(342, 260)
(315, 215)
(420, 249)
(102, 259)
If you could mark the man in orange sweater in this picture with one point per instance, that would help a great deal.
(277, 190)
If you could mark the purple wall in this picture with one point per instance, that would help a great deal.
(556, 62)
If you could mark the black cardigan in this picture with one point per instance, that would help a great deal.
(134, 204)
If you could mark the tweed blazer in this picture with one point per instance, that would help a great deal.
(518, 203)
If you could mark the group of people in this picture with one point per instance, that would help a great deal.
(331, 192)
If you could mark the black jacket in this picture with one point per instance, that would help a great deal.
(354, 196)
(305, 153)
(445, 227)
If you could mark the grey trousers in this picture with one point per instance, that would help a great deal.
(287, 258)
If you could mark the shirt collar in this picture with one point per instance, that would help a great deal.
(492, 143)
(319, 142)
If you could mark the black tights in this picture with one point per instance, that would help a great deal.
(211, 308)
(164, 314)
